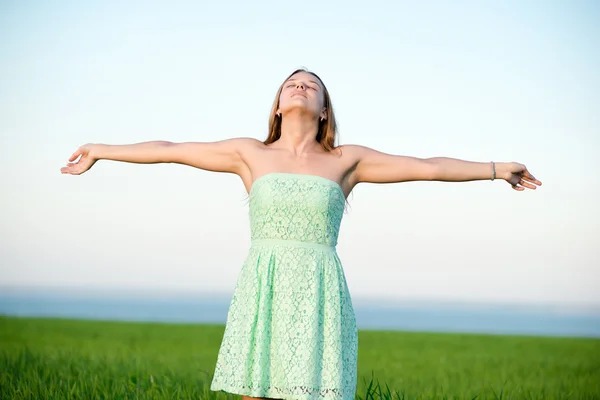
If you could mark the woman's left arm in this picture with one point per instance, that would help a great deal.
(376, 167)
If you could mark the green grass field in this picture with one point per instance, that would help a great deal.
(71, 359)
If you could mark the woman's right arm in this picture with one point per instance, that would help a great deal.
(221, 156)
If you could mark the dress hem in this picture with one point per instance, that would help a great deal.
(251, 393)
(258, 393)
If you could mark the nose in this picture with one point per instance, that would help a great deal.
(300, 85)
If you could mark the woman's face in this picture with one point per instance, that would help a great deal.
(302, 91)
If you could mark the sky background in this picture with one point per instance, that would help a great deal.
(480, 81)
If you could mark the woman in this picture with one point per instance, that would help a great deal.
(291, 331)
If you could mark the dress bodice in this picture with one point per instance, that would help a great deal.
(297, 207)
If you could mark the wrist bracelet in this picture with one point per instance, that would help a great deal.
(493, 171)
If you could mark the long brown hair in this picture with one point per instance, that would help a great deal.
(327, 133)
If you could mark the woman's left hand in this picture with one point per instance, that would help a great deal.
(517, 174)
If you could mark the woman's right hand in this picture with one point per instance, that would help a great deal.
(83, 164)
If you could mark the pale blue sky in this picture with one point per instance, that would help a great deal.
(481, 81)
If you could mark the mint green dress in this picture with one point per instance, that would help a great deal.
(291, 329)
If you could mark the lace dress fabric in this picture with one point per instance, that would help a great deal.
(291, 330)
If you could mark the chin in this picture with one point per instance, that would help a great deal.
(299, 109)
(298, 103)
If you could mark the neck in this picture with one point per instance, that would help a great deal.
(298, 134)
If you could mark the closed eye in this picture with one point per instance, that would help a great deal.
(308, 87)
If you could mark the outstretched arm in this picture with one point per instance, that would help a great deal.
(377, 167)
(220, 156)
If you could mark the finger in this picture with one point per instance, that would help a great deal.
(76, 154)
(532, 180)
(72, 166)
(528, 178)
(527, 174)
(515, 183)
(527, 185)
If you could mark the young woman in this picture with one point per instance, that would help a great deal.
(291, 330)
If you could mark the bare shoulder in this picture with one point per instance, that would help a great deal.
(246, 147)
(352, 150)
(351, 154)
(249, 148)
(246, 143)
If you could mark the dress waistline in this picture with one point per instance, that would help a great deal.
(293, 243)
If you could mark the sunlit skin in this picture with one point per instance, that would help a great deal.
(301, 109)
